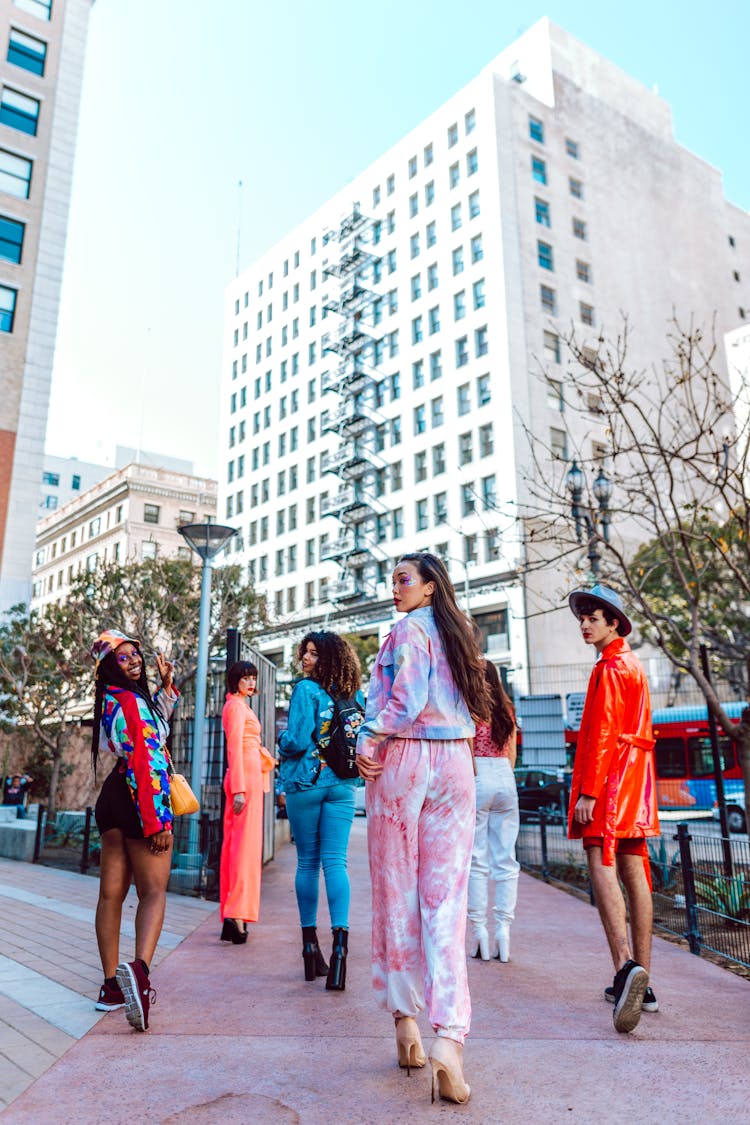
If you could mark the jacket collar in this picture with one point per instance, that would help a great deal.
(614, 648)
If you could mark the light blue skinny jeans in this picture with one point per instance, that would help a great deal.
(321, 820)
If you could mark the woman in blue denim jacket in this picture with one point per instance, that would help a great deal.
(320, 805)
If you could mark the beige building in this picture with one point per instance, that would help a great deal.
(131, 515)
(42, 47)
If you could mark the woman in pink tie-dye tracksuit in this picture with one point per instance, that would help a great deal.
(413, 751)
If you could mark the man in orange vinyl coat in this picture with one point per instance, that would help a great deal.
(613, 797)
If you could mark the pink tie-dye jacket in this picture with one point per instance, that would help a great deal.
(412, 693)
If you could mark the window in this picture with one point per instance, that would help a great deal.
(395, 428)
(52, 479)
(467, 499)
(440, 508)
(470, 121)
(430, 235)
(438, 459)
(433, 320)
(555, 399)
(413, 205)
(576, 187)
(416, 286)
(414, 246)
(436, 410)
(392, 301)
(40, 8)
(459, 305)
(462, 351)
(583, 271)
(421, 512)
(474, 205)
(7, 308)
(472, 162)
(454, 175)
(486, 440)
(572, 148)
(376, 196)
(412, 167)
(428, 156)
(458, 260)
(544, 255)
(391, 260)
(489, 492)
(456, 216)
(380, 482)
(478, 292)
(465, 448)
(548, 298)
(536, 130)
(432, 276)
(436, 366)
(15, 174)
(75, 482)
(417, 374)
(390, 185)
(395, 385)
(397, 523)
(19, 111)
(416, 330)
(551, 347)
(464, 399)
(420, 466)
(148, 551)
(477, 250)
(481, 345)
(452, 135)
(429, 193)
(390, 222)
(586, 313)
(26, 51)
(484, 394)
(541, 212)
(579, 229)
(151, 513)
(538, 170)
(558, 444)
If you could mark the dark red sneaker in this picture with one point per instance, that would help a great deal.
(110, 998)
(139, 995)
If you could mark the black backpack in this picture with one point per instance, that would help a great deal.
(340, 752)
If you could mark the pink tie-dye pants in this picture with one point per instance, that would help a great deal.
(420, 830)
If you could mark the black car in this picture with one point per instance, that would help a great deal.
(542, 789)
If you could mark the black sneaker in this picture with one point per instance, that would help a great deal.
(630, 987)
(649, 1004)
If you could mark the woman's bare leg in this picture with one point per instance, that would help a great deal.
(151, 873)
(114, 881)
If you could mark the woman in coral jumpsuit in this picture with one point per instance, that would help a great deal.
(246, 780)
(413, 751)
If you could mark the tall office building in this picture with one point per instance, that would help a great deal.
(386, 360)
(43, 45)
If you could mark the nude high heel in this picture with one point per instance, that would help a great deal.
(502, 939)
(481, 946)
(446, 1059)
(409, 1044)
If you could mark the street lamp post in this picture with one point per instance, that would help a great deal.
(584, 517)
(207, 540)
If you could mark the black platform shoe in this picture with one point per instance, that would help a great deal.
(315, 965)
(336, 981)
(230, 931)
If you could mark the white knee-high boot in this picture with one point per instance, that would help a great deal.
(504, 910)
(477, 911)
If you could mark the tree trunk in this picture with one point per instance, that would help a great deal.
(54, 781)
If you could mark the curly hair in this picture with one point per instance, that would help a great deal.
(110, 672)
(461, 650)
(337, 669)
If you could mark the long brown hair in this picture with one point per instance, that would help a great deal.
(503, 717)
(337, 668)
(461, 650)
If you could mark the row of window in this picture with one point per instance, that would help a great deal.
(151, 515)
(548, 300)
(470, 121)
(539, 173)
(536, 133)
(149, 550)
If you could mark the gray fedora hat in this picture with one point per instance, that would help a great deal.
(607, 599)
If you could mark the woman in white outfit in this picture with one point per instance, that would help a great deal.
(494, 853)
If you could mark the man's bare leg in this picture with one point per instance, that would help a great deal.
(632, 871)
(611, 905)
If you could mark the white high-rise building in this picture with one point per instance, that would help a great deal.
(42, 49)
(383, 361)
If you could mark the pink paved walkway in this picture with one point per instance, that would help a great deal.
(238, 1036)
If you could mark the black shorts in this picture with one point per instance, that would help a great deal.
(115, 807)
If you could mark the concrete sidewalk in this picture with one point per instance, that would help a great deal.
(237, 1035)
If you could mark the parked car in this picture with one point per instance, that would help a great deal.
(542, 789)
(736, 813)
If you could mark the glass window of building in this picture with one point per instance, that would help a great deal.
(15, 174)
(459, 305)
(455, 216)
(420, 466)
(26, 51)
(548, 299)
(484, 394)
(454, 175)
(421, 515)
(544, 255)
(457, 257)
(18, 111)
(436, 365)
(470, 121)
(463, 394)
(541, 212)
(438, 459)
(538, 170)
(486, 440)
(465, 448)
(572, 148)
(7, 308)
(472, 162)
(430, 235)
(428, 155)
(42, 9)
(452, 135)
(462, 351)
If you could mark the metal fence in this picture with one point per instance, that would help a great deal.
(701, 881)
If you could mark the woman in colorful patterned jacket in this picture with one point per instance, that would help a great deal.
(133, 814)
(320, 805)
(413, 751)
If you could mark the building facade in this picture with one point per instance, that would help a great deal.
(42, 46)
(385, 363)
(132, 514)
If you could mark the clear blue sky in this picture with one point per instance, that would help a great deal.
(294, 98)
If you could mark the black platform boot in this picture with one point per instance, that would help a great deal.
(336, 981)
(312, 956)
